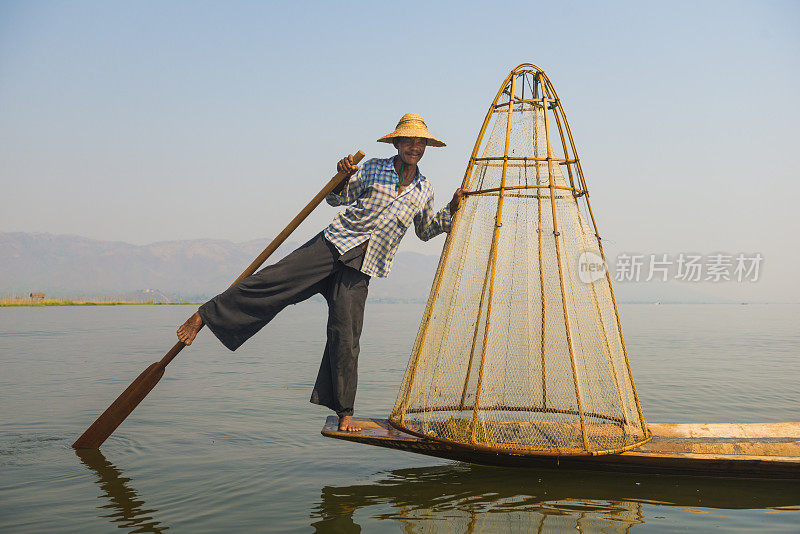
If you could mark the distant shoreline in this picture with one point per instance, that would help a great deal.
(26, 302)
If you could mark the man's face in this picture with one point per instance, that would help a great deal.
(410, 149)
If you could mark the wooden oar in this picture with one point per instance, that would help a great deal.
(121, 408)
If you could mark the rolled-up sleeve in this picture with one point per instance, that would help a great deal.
(351, 191)
(428, 223)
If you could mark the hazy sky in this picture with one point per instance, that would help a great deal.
(150, 121)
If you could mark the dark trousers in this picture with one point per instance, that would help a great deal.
(314, 268)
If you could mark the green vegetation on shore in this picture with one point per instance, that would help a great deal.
(12, 302)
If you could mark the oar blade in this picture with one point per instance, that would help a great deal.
(121, 408)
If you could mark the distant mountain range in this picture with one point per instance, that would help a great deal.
(69, 266)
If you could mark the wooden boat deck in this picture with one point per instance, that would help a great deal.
(761, 450)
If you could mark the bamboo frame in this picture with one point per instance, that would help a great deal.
(526, 101)
(517, 187)
(565, 309)
(506, 408)
(602, 254)
(541, 260)
(442, 262)
(559, 108)
(449, 317)
(525, 159)
(475, 337)
(498, 223)
(523, 164)
(517, 195)
(544, 98)
(598, 312)
(517, 450)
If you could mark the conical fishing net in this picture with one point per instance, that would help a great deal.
(520, 348)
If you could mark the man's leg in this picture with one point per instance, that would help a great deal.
(239, 312)
(338, 373)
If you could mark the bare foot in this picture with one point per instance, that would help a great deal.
(347, 424)
(189, 329)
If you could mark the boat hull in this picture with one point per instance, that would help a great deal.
(757, 450)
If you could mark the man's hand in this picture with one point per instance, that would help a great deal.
(346, 166)
(456, 202)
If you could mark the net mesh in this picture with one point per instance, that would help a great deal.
(520, 347)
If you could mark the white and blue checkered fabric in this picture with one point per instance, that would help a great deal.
(381, 216)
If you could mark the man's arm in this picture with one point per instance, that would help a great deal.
(429, 224)
(348, 189)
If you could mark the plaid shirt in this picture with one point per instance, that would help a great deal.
(380, 215)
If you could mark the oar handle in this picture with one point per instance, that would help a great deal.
(294, 223)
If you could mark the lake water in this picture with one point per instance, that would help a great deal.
(228, 441)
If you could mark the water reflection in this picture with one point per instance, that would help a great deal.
(124, 502)
(466, 498)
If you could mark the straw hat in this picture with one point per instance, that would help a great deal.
(411, 125)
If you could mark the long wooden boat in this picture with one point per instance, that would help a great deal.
(759, 450)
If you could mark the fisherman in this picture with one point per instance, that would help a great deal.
(384, 197)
